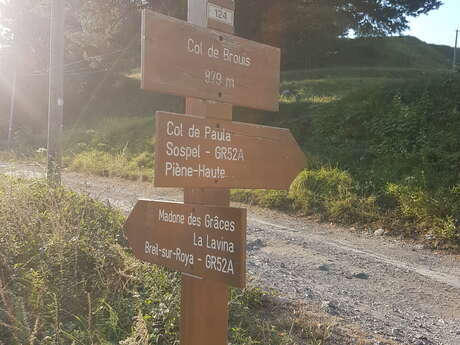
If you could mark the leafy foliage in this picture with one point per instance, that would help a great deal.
(307, 30)
(398, 142)
(65, 278)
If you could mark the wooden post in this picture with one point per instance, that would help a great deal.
(13, 101)
(204, 303)
(56, 93)
(15, 56)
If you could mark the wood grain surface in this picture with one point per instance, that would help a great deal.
(183, 59)
(197, 152)
(205, 241)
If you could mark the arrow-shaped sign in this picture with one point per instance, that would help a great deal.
(194, 152)
(205, 241)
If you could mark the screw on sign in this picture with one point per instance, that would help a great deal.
(206, 153)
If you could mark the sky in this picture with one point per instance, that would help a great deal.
(439, 25)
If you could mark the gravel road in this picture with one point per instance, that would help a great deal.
(390, 289)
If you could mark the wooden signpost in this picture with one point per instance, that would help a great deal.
(204, 241)
(206, 153)
(193, 151)
(188, 60)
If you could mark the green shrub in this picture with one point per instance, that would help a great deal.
(326, 192)
(413, 202)
(398, 141)
(132, 135)
(447, 229)
(353, 210)
(313, 190)
(330, 193)
(436, 211)
(113, 165)
(69, 280)
(266, 198)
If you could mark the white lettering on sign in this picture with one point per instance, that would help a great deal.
(217, 134)
(228, 153)
(174, 169)
(214, 244)
(218, 145)
(219, 264)
(170, 217)
(218, 224)
(178, 254)
(220, 245)
(152, 249)
(229, 56)
(221, 14)
(211, 51)
(174, 130)
(183, 257)
(217, 78)
(212, 173)
(177, 170)
(198, 48)
(179, 151)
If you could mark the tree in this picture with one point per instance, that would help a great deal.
(307, 29)
(95, 28)
(102, 39)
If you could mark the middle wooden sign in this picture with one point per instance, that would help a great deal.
(194, 152)
(183, 59)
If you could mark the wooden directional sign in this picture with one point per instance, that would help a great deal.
(205, 241)
(194, 152)
(187, 60)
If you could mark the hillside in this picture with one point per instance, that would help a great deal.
(402, 52)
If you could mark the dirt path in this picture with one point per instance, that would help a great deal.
(387, 288)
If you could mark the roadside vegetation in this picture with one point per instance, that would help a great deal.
(67, 277)
(116, 147)
(388, 154)
(381, 138)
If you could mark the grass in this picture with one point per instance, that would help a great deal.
(116, 147)
(67, 277)
(385, 154)
(326, 193)
(399, 52)
(363, 72)
(117, 164)
(326, 90)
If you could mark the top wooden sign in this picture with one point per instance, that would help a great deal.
(187, 60)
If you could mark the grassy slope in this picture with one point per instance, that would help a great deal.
(402, 52)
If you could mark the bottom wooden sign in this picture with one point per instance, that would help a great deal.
(205, 241)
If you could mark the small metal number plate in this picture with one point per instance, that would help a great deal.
(221, 14)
